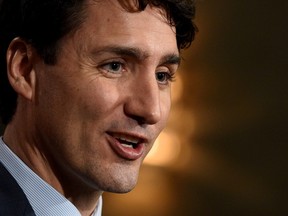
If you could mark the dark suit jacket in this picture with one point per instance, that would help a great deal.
(13, 201)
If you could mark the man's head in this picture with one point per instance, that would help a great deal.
(92, 80)
(43, 23)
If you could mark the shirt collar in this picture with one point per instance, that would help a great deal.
(44, 199)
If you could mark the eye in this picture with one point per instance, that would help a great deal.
(164, 77)
(113, 67)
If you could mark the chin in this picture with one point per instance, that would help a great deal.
(122, 186)
(122, 190)
(116, 179)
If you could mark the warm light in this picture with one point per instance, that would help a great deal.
(177, 89)
(165, 151)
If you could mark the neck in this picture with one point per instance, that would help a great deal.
(19, 139)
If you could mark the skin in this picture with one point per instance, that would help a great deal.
(111, 77)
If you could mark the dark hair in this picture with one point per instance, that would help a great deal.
(42, 23)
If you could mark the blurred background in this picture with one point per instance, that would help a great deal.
(225, 149)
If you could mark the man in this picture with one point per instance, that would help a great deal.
(85, 91)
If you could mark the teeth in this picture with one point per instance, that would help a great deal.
(127, 139)
(127, 145)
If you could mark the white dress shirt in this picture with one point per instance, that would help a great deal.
(44, 199)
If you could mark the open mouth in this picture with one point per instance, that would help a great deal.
(126, 146)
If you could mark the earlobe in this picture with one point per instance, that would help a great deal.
(20, 69)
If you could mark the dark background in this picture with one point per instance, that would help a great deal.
(231, 119)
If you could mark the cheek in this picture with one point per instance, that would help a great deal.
(98, 99)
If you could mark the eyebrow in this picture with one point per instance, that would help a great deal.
(171, 59)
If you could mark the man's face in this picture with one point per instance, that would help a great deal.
(99, 109)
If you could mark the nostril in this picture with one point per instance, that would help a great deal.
(140, 120)
(151, 118)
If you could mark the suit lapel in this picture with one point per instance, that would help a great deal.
(12, 199)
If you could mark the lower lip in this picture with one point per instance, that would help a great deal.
(124, 152)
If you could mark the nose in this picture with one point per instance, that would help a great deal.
(144, 103)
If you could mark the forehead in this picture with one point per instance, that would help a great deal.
(120, 21)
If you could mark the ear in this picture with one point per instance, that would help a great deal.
(20, 69)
